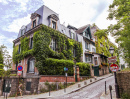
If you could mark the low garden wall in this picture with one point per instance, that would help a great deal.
(56, 78)
(123, 80)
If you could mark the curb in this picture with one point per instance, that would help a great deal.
(87, 85)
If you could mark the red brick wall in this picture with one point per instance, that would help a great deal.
(52, 78)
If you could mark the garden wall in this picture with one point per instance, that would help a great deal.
(55, 78)
(123, 80)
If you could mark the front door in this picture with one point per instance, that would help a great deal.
(96, 71)
(7, 85)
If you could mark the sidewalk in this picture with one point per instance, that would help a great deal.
(70, 89)
(107, 96)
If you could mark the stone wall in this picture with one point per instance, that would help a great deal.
(123, 80)
(14, 85)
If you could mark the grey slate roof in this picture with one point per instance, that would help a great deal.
(81, 29)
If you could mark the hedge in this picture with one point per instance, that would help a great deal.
(56, 67)
(84, 69)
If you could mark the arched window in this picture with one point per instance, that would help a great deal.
(31, 63)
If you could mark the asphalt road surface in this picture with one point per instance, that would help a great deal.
(92, 91)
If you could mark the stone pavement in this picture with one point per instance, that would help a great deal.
(73, 88)
(107, 96)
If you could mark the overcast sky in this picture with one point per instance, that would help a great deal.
(16, 13)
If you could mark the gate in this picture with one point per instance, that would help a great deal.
(7, 85)
(96, 71)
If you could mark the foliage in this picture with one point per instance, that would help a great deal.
(125, 96)
(53, 86)
(119, 10)
(101, 33)
(126, 69)
(7, 59)
(44, 54)
(55, 67)
(84, 69)
(103, 44)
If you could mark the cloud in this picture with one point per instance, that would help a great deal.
(8, 42)
(17, 24)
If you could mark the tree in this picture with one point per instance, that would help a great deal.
(7, 59)
(120, 10)
(1, 63)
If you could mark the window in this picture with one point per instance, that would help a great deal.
(72, 35)
(74, 53)
(87, 46)
(88, 58)
(93, 50)
(31, 43)
(95, 61)
(31, 63)
(28, 86)
(53, 24)
(53, 44)
(19, 48)
(34, 23)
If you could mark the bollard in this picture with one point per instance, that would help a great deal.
(85, 83)
(6, 95)
(49, 90)
(64, 87)
(105, 88)
(57, 86)
(90, 80)
(79, 85)
(95, 78)
(110, 88)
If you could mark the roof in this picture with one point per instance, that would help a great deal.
(81, 29)
(100, 54)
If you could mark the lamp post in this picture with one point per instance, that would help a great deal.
(111, 50)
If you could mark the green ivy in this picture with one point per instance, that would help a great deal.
(84, 69)
(41, 50)
(106, 45)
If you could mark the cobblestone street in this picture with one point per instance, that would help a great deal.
(92, 91)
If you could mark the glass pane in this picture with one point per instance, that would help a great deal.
(31, 66)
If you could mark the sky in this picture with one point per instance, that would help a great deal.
(16, 13)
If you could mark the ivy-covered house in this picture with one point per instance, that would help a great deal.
(42, 42)
(102, 44)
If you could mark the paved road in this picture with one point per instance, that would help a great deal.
(92, 91)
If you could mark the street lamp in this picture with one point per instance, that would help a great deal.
(111, 50)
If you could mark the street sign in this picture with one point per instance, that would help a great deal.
(114, 67)
(65, 69)
(112, 59)
(20, 68)
(66, 74)
(19, 73)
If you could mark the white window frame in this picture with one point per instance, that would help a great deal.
(53, 26)
(53, 44)
(88, 59)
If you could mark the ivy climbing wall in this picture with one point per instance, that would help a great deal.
(63, 56)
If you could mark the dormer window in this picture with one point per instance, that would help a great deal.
(34, 23)
(34, 19)
(53, 21)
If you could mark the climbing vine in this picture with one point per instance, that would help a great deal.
(102, 47)
(41, 50)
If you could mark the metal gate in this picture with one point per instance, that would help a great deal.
(7, 85)
(96, 71)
